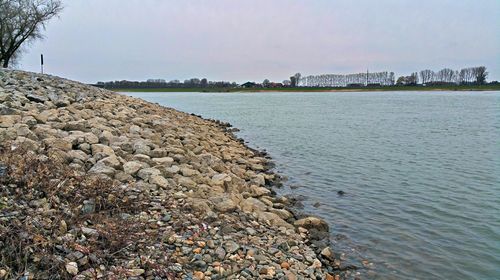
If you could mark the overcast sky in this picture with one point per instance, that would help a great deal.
(240, 40)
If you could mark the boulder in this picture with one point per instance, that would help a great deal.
(273, 220)
(257, 191)
(147, 173)
(165, 161)
(251, 204)
(158, 180)
(132, 167)
(312, 223)
(100, 148)
(186, 182)
(58, 143)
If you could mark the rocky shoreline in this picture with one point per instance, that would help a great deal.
(100, 185)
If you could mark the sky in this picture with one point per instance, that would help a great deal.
(253, 40)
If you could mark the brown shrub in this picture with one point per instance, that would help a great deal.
(43, 207)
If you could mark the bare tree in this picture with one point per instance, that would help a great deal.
(426, 76)
(22, 21)
(480, 74)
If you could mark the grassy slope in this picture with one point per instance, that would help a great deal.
(302, 89)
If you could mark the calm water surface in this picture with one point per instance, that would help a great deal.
(421, 171)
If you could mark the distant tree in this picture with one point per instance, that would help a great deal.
(204, 82)
(195, 81)
(480, 74)
(297, 78)
(22, 21)
(445, 75)
(286, 83)
(408, 80)
(266, 83)
(401, 81)
(293, 81)
(426, 76)
(413, 79)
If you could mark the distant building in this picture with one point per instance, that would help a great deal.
(275, 85)
(249, 85)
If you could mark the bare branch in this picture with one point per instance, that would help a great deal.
(23, 21)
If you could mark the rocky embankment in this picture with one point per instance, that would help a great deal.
(136, 190)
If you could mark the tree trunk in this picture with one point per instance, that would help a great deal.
(6, 63)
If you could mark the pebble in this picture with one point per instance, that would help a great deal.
(72, 268)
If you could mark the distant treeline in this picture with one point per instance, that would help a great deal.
(446, 76)
(161, 83)
(465, 76)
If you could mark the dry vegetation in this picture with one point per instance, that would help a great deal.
(50, 214)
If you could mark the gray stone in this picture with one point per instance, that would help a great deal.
(132, 167)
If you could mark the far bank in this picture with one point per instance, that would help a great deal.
(488, 87)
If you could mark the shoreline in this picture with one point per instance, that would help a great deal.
(193, 174)
(474, 88)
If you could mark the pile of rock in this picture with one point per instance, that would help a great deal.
(207, 197)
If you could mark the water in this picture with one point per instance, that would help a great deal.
(421, 171)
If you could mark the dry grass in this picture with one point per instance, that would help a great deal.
(43, 207)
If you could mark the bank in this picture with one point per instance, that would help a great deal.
(96, 184)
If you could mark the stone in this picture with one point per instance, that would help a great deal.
(165, 161)
(273, 220)
(312, 223)
(78, 154)
(26, 144)
(159, 180)
(80, 125)
(198, 275)
(187, 172)
(282, 213)
(63, 227)
(132, 167)
(290, 275)
(58, 143)
(187, 182)
(140, 147)
(259, 180)
(327, 253)
(171, 171)
(231, 246)
(219, 179)
(226, 205)
(220, 253)
(100, 148)
(251, 205)
(136, 272)
(90, 231)
(101, 168)
(199, 265)
(4, 110)
(285, 265)
(111, 161)
(179, 195)
(134, 129)
(147, 173)
(36, 98)
(259, 191)
(72, 268)
(316, 264)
